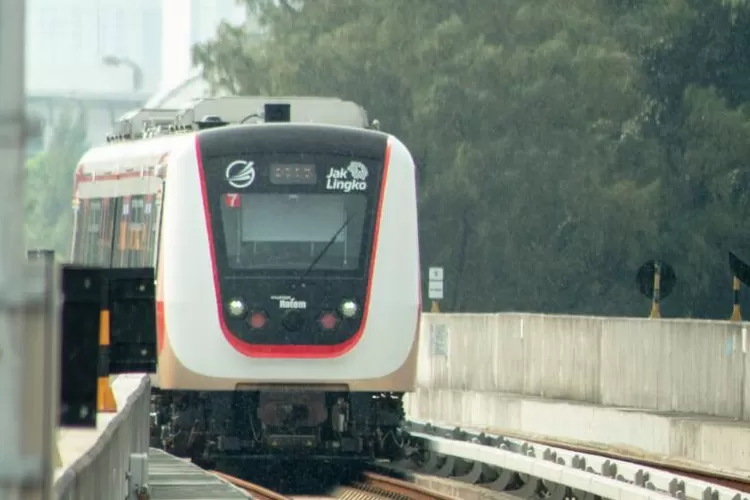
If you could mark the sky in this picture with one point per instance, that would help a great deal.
(67, 41)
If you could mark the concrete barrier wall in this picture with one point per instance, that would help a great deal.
(100, 474)
(674, 365)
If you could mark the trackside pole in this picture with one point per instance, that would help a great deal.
(24, 470)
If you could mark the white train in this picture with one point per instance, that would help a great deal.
(286, 255)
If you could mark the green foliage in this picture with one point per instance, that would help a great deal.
(565, 142)
(49, 186)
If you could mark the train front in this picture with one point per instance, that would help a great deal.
(310, 341)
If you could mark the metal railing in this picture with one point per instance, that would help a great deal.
(102, 473)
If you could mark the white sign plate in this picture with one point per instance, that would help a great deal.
(439, 337)
(435, 290)
(436, 274)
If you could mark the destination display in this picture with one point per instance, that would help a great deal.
(293, 174)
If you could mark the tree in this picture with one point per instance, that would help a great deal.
(549, 172)
(49, 186)
(694, 74)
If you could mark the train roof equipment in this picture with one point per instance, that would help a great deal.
(218, 111)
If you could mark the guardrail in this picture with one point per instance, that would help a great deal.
(523, 468)
(103, 472)
(669, 365)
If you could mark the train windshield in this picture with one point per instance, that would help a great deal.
(291, 231)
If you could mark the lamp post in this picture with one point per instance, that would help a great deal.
(114, 61)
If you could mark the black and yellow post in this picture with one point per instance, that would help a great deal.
(105, 398)
(736, 315)
(655, 312)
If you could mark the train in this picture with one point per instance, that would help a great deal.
(283, 237)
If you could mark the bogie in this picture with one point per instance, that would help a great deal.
(210, 427)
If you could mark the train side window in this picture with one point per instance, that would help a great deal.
(93, 232)
(134, 238)
(81, 231)
(159, 211)
(143, 222)
(134, 245)
(75, 250)
(107, 226)
(119, 253)
(150, 218)
(150, 228)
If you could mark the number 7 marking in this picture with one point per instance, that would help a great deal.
(232, 200)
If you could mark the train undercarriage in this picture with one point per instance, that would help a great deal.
(213, 428)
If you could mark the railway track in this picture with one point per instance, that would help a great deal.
(369, 486)
(258, 492)
(611, 460)
(378, 486)
(716, 478)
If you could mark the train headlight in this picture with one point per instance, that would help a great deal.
(236, 308)
(349, 309)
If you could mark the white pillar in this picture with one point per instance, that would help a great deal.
(12, 247)
(176, 58)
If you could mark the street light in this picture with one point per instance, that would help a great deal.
(115, 61)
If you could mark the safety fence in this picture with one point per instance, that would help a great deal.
(102, 472)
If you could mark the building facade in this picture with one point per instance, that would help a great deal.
(69, 42)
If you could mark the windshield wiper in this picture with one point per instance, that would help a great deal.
(325, 248)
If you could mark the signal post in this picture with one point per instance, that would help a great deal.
(740, 275)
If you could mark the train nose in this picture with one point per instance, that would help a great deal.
(293, 321)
